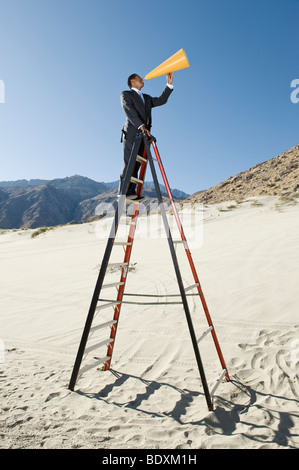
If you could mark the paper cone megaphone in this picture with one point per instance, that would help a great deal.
(177, 61)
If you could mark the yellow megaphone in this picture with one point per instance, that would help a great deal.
(176, 62)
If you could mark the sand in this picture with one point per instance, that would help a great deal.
(152, 398)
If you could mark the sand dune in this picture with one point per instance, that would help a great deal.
(152, 397)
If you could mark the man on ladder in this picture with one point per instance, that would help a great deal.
(137, 108)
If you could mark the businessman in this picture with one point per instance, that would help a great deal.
(137, 108)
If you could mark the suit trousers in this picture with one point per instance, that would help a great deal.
(127, 147)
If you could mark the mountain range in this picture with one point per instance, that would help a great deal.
(38, 203)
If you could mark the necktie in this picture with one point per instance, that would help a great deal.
(141, 96)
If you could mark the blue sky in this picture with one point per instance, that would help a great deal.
(64, 64)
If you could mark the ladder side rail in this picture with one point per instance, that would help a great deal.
(168, 190)
(104, 265)
(179, 278)
(127, 257)
(189, 256)
(142, 173)
(121, 289)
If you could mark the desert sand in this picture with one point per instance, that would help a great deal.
(152, 398)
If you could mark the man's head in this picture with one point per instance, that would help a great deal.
(135, 81)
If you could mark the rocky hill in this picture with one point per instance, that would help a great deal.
(278, 176)
(38, 203)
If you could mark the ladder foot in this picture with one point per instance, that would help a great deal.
(106, 367)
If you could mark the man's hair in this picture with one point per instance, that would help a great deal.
(131, 77)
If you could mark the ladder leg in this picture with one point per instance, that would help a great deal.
(188, 253)
(103, 269)
(123, 279)
(94, 302)
(179, 278)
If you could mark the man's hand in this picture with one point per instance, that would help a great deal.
(144, 129)
(170, 78)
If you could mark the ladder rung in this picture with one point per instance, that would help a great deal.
(178, 241)
(114, 265)
(136, 180)
(141, 159)
(95, 364)
(113, 284)
(99, 345)
(204, 334)
(192, 287)
(110, 304)
(218, 382)
(103, 325)
(132, 201)
(123, 243)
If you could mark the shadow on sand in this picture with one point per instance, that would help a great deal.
(223, 420)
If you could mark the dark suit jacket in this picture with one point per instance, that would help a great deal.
(137, 112)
